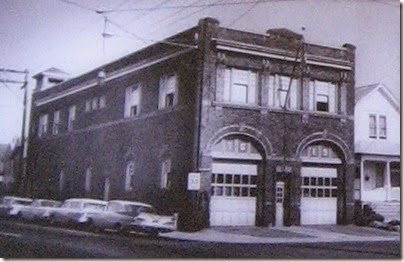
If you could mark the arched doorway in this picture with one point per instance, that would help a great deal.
(321, 174)
(236, 166)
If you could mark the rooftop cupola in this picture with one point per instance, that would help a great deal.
(48, 78)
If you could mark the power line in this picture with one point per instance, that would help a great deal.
(156, 7)
(172, 14)
(78, 5)
(190, 14)
(246, 12)
(181, 6)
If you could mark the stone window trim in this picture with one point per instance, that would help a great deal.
(165, 173)
(71, 117)
(168, 91)
(238, 86)
(56, 122)
(133, 96)
(43, 125)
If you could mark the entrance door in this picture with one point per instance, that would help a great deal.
(234, 190)
(319, 196)
(280, 192)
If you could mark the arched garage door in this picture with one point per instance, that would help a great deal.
(233, 196)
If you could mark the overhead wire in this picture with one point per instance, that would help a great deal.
(244, 13)
(182, 6)
(155, 7)
(190, 14)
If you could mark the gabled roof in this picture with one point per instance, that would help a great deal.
(363, 91)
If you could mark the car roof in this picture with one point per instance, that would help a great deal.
(130, 202)
(89, 200)
(17, 198)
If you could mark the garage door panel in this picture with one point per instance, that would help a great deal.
(318, 203)
(233, 200)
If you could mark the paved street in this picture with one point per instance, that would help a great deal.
(18, 240)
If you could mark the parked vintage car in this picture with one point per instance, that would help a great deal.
(148, 221)
(11, 205)
(38, 209)
(73, 210)
(117, 215)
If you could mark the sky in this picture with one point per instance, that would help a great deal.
(67, 34)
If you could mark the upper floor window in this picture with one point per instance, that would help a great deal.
(43, 125)
(240, 86)
(71, 117)
(278, 91)
(168, 91)
(377, 126)
(56, 122)
(132, 101)
(165, 173)
(129, 176)
(95, 103)
(322, 96)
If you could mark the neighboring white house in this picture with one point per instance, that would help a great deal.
(377, 147)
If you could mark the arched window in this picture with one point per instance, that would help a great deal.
(130, 176)
(87, 184)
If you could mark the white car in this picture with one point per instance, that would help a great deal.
(73, 210)
(38, 209)
(117, 215)
(151, 223)
(10, 206)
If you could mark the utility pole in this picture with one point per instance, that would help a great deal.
(24, 86)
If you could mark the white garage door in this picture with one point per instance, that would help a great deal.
(234, 190)
(319, 196)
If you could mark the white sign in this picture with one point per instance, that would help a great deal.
(194, 181)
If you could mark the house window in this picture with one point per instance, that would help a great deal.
(372, 126)
(380, 170)
(132, 101)
(43, 125)
(168, 91)
(130, 176)
(377, 126)
(165, 173)
(87, 184)
(382, 127)
(322, 97)
(278, 90)
(240, 86)
(71, 117)
(56, 122)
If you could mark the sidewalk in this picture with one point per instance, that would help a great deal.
(293, 234)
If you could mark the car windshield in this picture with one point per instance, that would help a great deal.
(94, 206)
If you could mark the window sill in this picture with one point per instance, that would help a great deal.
(279, 110)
